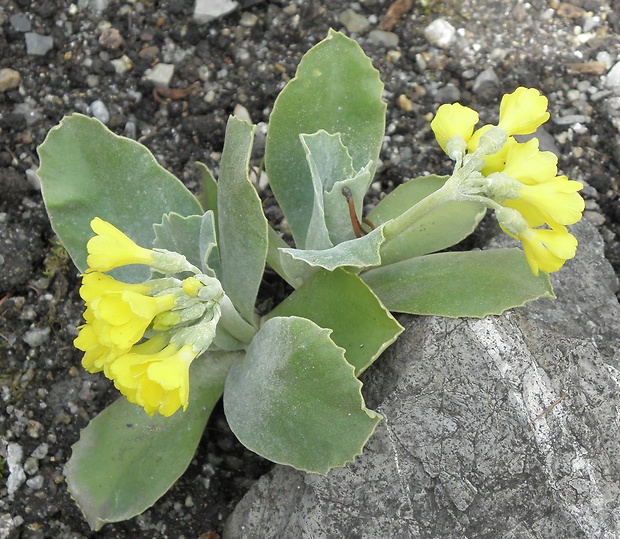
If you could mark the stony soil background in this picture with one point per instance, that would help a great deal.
(101, 57)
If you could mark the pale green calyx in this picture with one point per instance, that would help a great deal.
(456, 148)
(511, 220)
(492, 141)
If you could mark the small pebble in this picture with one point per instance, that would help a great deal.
(448, 94)
(36, 483)
(383, 38)
(440, 33)
(613, 79)
(111, 39)
(248, 19)
(404, 103)
(20, 22)
(36, 336)
(9, 79)
(486, 85)
(208, 10)
(354, 22)
(122, 64)
(100, 111)
(38, 45)
(160, 75)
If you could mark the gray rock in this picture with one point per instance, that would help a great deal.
(160, 75)
(36, 336)
(504, 427)
(613, 79)
(486, 84)
(385, 39)
(93, 5)
(7, 525)
(20, 22)
(38, 45)
(16, 472)
(354, 22)
(440, 33)
(100, 111)
(448, 94)
(208, 10)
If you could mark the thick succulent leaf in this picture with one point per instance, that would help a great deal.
(295, 400)
(358, 253)
(336, 89)
(241, 222)
(337, 215)
(125, 460)
(192, 236)
(471, 283)
(208, 195)
(209, 251)
(441, 228)
(327, 158)
(87, 171)
(342, 302)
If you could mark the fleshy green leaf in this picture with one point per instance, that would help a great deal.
(295, 400)
(358, 253)
(336, 89)
(192, 236)
(242, 224)
(471, 283)
(342, 302)
(208, 195)
(125, 460)
(441, 228)
(87, 171)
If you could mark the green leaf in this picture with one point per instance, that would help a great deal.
(336, 89)
(441, 228)
(358, 253)
(472, 283)
(192, 236)
(342, 302)
(295, 400)
(125, 460)
(87, 171)
(208, 195)
(242, 224)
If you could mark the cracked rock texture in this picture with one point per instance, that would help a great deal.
(505, 427)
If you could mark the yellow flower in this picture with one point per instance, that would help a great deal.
(556, 200)
(121, 312)
(157, 381)
(524, 162)
(453, 120)
(110, 248)
(547, 249)
(523, 111)
(96, 355)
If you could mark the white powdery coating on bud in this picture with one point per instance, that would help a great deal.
(456, 148)
(492, 141)
(502, 187)
(511, 220)
(168, 262)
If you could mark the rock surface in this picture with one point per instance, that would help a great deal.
(505, 427)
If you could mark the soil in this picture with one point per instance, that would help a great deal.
(242, 60)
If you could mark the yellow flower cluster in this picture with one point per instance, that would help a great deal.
(155, 373)
(532, 203)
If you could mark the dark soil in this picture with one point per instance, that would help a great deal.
(242, 59)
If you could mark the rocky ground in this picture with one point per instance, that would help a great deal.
(152, 71)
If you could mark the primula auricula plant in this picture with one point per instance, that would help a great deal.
(170, 280)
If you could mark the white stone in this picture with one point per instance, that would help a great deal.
(38, 45)
(440, 33)
(160, 75)
(613, 79)
(208, 10)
